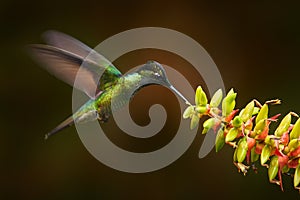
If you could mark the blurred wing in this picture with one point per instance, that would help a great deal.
(67, 43)
(65, 66)
(74, 46)
(68, 58)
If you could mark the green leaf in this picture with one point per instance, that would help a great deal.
(216, 99)
(254, 156)
(220, 139)
(265, 154)
(273, 169)
(194, 121)
(242, 150)
(231, 135)
(237, 122)
(189, 111)
(208, 124)
(284, 125)
(263, 113)
(295, 133)
(228, 103)
(200, 97)
(247, 113)
(297, 176)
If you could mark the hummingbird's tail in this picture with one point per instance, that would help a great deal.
(68, 122)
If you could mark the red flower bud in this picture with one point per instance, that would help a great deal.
(296, 152)
(264, 133)
(231, 115)
(259, 147)
(293, 163)
(285, 138)
(274, 118)
(251, 142)
(282, 161)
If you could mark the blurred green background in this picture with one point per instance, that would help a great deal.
(256, 47)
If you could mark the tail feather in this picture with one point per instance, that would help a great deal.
(68, 122)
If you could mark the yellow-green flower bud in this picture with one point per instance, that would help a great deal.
(293, 144)
(247, 112)
(273, 169)
(235, 155)
(220, 139)
(201, 109)
(254, 155)
(284, 125)
(255, 110)
(263, 113)
(228, 103)
(200, 97)
(189, 111)
(208, 124)
(295, 133)
(269, 141)
(260, 126)
(242, 150)
(216, 99)
(237, 122)
(265, 154)
(231, 135)
(297, 176)
(194, 121)
(285, 169)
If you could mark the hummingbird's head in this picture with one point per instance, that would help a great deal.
(153, 73)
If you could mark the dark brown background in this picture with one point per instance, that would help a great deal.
(256, 47)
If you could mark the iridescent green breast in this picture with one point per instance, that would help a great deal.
(117, 95)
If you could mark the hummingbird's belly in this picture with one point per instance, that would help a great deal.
(86, 117)
(87, 112)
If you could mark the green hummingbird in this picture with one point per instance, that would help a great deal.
(68, 59)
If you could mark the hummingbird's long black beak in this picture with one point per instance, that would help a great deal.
(179, 94)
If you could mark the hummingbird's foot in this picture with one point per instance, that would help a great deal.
(103, 117)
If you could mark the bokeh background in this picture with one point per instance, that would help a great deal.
(256, 47)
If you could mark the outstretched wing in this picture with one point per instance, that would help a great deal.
(69, 59)
(66, 42)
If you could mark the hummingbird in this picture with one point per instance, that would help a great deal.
(68, 59)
